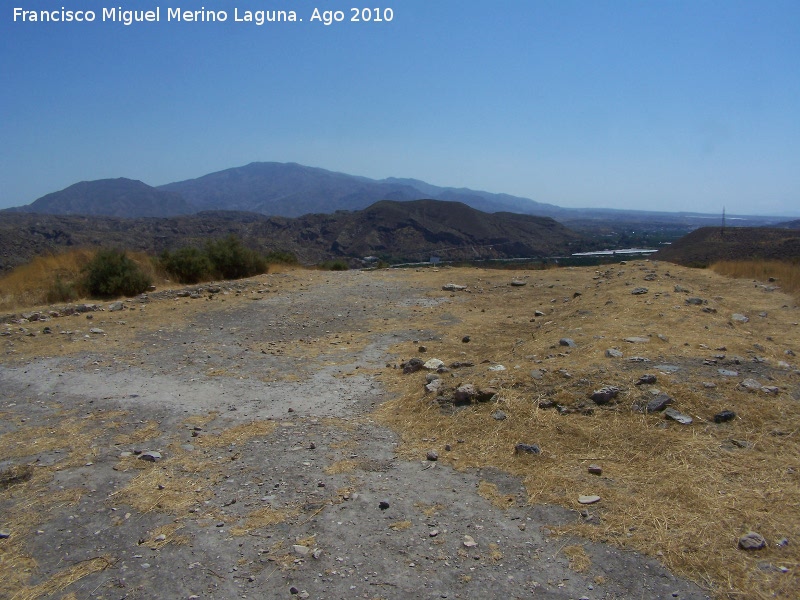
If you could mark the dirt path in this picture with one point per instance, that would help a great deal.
(274, 481)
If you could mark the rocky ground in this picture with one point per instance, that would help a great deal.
(224, 443)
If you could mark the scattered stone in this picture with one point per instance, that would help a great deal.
(679, 417)
(527, 449)
(383, 504)
(160, 538)
(115, 306)
(709, 310)
(728, 373)
(709, 385)
(538, 313)
(588, 499)
(659, 403)
(150, 456)
(518, 283)
(433, 386)
(433, 533)
(433, 364)
(422, 349)
(452, 287)
(460, 364)
(679, 289)
(4, 535)
(724, 416)
(301, 550)
(432, 455)
(605, 394)
(469, 541)
(499, 415)
(637, 340)
(595, 469)
(613, 353)
(695, 301)
(771, 389)
(639, 291)
(412, 366)
(465, 393)
(485, 394)
(569, 342)
(465, 339)
(750, 385)
(497, 368)
(96, 331)
(537, 374)
(739, 318)
(752, 541)
(646, 379)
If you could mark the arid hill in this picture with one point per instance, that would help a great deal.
(711, 244)
(394, 231)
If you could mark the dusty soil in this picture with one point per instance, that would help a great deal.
(276, 477)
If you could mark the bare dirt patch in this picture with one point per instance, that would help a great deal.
(293, 451)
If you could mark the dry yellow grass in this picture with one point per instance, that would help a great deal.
(786, 275)
(29, 284)
(682, 494)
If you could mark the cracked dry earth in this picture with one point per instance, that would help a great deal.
(275, 479)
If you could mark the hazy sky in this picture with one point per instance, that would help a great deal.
(664, 105)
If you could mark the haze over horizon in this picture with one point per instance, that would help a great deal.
(670, 106)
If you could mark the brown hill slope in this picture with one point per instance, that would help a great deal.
(396, 231)
(711, 244)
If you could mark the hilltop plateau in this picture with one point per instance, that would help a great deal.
(623, 432)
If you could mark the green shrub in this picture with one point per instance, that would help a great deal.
(230, 259)
(281, 257)
(334, 265)
(187, 265)
(61, 291)
(111, 273)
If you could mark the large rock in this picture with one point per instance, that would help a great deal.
(659, 403)
(465, 394)
(752, 541)
(605, 394)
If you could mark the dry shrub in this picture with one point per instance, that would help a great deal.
(785, 274)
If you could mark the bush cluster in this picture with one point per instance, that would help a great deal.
(111, 273)
(225, 258)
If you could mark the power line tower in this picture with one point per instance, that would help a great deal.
(722, 231)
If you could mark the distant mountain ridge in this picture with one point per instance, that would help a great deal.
(268, 188)
(111, 198)
(391, 230)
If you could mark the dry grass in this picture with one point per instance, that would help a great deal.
(264, 517)
(579, 561)
(30, 284)
(786, 275)
(682, 493)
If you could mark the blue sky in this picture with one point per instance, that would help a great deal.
(662, 105)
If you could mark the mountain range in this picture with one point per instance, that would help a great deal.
(395, 231)
(268, 188)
